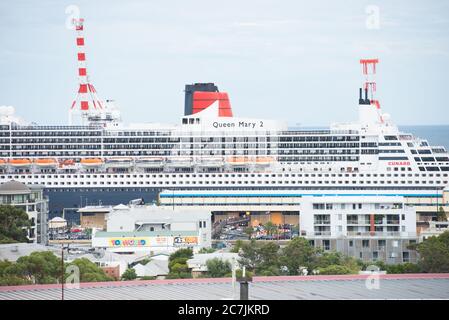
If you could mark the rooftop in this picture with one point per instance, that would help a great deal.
(348, 287)
(13, 251)
(14, 187)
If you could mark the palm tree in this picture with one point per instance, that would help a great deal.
(270, 227)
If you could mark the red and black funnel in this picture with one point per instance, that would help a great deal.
(200, 96)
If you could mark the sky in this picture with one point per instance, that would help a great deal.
(296, 61)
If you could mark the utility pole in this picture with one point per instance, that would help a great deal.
(62, 271)
(244, 285)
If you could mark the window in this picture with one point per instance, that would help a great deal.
(326, 244)
(381, 243)
(375, 255)
(405, 256)
(365, 243)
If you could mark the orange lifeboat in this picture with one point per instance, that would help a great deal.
(67, 162)
(264, 161)
(46, 162)
(2, 163)
(238, 161)
(20, 162)
(91, 162)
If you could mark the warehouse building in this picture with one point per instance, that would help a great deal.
(152, 229)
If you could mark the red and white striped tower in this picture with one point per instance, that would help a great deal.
(369, 71)
(86, 101)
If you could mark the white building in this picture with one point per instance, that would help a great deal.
(435, 229)
(198, 264)
(154, 229)
(368, 228)
(154, 268)
(31, 199)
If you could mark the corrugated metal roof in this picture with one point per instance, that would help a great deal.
(423, 286)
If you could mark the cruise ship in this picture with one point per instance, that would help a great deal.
(102, 159)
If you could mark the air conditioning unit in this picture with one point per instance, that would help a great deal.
(393, 255)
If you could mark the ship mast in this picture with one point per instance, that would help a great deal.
(86, 102)
(369, 105)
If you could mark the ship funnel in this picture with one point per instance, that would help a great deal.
(200, 96)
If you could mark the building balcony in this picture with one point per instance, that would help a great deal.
(375, 234)
(322, 222)
(322, 233)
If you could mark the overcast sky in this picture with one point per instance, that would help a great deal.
(287, 60)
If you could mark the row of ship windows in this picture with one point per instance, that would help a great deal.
(236, 182)
(242, 175)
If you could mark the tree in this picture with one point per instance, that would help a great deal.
(9, 276)
(13, 224)
(40, 267)
(237, 246)
(441, 215)
(434, 253)
(335, 269)
(325, 260)
(217, 268)
(249, 231)
(270, 227)
(260, 256)
(298, 253)
(206, 250)
(89, 271)
(181, 253)
(129, 274)
(177, 264)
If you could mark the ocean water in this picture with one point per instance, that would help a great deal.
(436, 135)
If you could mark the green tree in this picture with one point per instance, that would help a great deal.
(206, 250)
(217, 268)
(13, 224)
(249, 231)
(177, 264)
(298, 253)
(39, 267)
(181, 253)
(237, 246)
(129, 274)
(434, 253)
(179, 268)
(270, 227)
(9, 276)
(441, 215)
(335, 269)
(259, 256)
(89, 271)
(327, 259)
